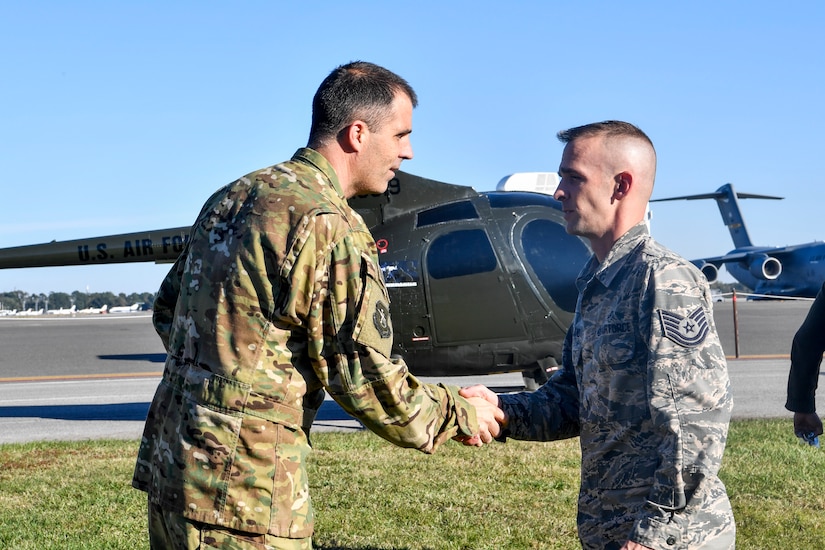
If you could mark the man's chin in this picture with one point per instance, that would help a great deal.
(372, 190)
(573, 229)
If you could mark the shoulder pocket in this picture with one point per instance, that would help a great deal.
(373, 326)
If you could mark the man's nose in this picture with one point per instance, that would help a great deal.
(559, 194)
(406, 151)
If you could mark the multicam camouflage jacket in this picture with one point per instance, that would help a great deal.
(277, 297)
(644, 384)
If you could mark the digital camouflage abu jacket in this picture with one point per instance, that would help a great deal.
(644, 384)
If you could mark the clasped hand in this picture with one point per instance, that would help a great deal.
(490, 417)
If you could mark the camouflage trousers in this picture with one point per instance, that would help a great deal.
(169, 531)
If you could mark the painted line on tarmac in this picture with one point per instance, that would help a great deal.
(62, 377)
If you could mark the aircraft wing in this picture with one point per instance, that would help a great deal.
(745, 254)
(719, 260)
(758, 266)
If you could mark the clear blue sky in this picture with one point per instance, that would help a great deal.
(124, 116)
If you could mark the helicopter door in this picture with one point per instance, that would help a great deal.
(469, 294)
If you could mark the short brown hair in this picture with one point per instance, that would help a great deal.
(608, 128)
(357, 90)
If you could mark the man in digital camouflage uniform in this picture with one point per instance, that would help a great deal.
(278, 297)
(644, 379)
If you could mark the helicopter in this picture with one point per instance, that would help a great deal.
(479, 282)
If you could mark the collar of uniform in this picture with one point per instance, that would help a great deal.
(606, 271)
(316, 159)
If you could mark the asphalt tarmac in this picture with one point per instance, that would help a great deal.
(71, 378)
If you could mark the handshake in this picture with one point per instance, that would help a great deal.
(490, 417)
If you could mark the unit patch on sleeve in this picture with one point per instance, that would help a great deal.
(687, 331)
(381, 319)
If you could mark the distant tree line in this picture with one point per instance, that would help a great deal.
(21, 301)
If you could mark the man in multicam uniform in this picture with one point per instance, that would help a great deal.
(644, 379)
(277, 298)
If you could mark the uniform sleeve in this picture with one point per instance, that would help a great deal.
(690, 404)
(350, 342)
(166, 299)
(806, 358)
(163, 309)
(549, 413)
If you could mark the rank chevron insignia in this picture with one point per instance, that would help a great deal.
(686, 331)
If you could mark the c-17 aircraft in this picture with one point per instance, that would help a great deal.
(793, 271)
(479, 282)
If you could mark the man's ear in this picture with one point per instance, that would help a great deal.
(624, 181)
(355, 135)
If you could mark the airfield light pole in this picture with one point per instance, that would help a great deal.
(735, 326)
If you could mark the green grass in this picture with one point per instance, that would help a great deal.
(371, 495)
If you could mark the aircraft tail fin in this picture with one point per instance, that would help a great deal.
(726, 199)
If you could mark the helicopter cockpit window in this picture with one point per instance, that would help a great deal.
(463, 210)
(556, 258)
(512, 199)
(460, 253)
